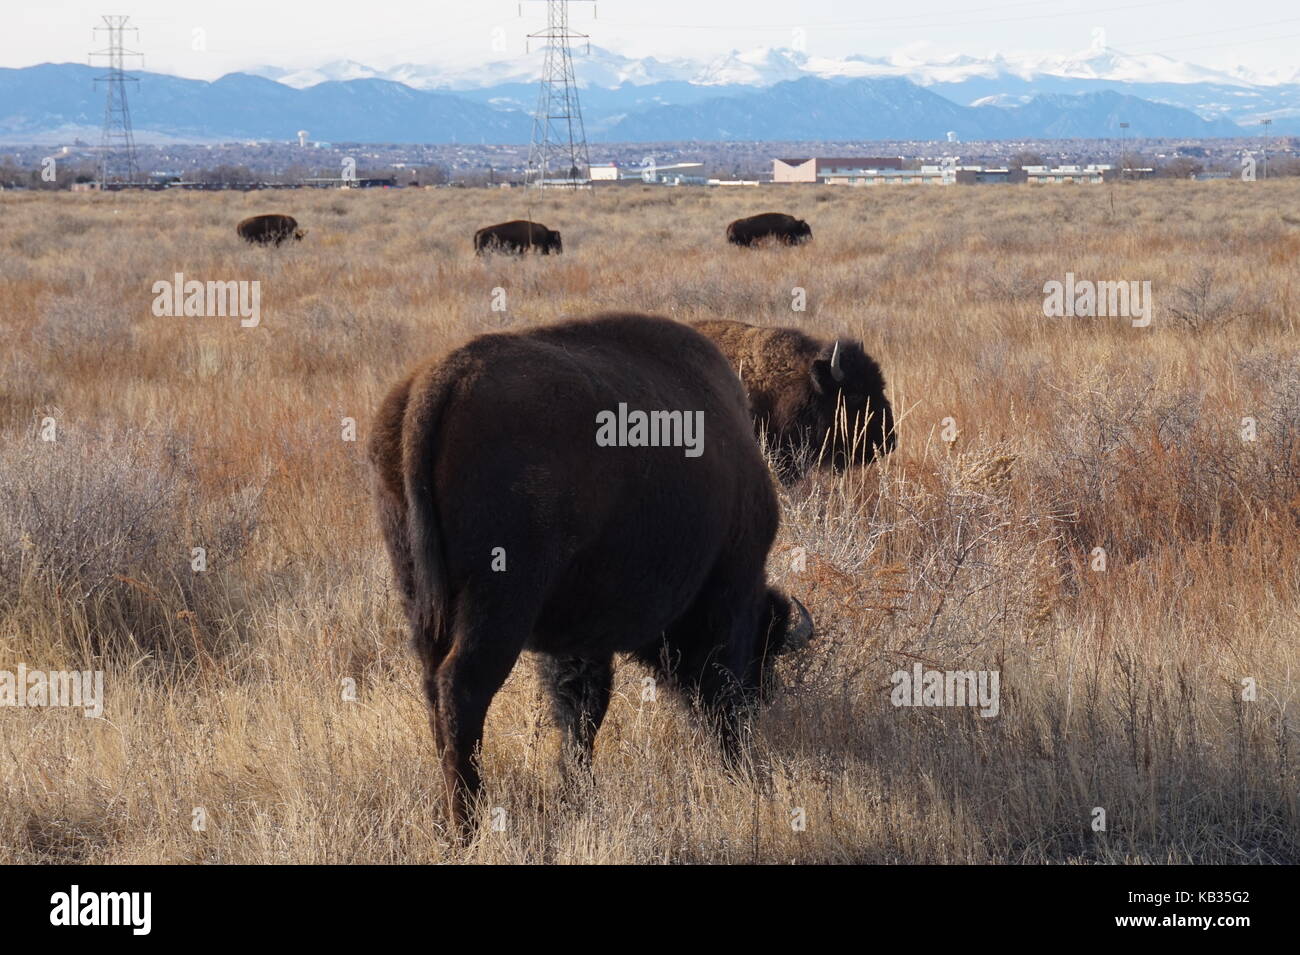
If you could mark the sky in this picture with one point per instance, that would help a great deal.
(206, 40)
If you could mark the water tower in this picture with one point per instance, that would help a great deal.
(952, 136)
(302, 137)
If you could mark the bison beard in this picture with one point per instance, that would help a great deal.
(808, 399)
(488, 456)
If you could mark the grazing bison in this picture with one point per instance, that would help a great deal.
(810, 400)
(517, 236)
(775, 225)
(271, 229)
(513, 525)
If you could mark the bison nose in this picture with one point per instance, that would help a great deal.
(800, 631)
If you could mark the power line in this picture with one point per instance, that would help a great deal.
(930, 21)
(1189, 36)
(1218, 46)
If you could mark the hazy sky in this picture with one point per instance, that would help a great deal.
(1263, 35)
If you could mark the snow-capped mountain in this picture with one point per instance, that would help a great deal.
(1109, 64)
(760, 67)
(336, 70)
(766, 66)
(599, 68)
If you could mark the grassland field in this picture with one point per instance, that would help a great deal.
(267, 709)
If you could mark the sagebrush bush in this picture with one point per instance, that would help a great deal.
(106, 524)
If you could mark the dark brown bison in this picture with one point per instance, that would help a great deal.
(513, 525)
(271, 229)
(517, 236)
(811, 401)
(770, 225)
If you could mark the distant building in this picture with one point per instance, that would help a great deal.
(925, 176)
(889, 171)
(1089, 173)
(974, 175)
(339, 182)
(830, 169)
(604, 171)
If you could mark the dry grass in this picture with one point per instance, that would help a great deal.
(1120, 689)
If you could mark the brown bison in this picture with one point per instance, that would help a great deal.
(811, 401)
(770, 225)
(270, 229)
(579, 490)
(517, 236)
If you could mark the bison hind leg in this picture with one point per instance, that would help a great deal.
(487, 637)
(579, 688)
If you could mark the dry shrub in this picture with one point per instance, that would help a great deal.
(100, 529)
(1142, 467)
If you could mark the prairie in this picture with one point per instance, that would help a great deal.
(1102, 513)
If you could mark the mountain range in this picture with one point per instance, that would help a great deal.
(766, 94)
(765, 66)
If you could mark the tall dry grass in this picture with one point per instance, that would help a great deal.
(1121, 689)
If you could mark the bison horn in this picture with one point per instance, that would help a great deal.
(836, 371)
(800, 632)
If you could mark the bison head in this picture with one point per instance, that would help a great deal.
(299, 233)
(848, 415)
(801, 230)
(553, 241)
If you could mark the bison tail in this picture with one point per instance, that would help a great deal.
(431, 593)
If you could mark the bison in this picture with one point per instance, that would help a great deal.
(774, 225)
(270, 229)
(517, 236)
(809, 399)
(511, 525)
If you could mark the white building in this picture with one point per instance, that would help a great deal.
(1090, 173)
(830, 169)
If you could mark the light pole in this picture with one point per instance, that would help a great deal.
(1123, 151)
(1266, 123)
